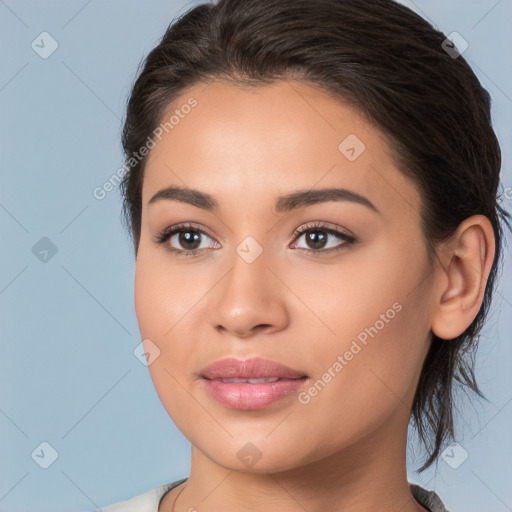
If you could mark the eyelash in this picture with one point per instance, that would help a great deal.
(164, 235)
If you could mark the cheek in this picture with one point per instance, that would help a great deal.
(371, 359)
(153, 298)
(359, 386)
(164, 305)
(149, 297)
(161, 295)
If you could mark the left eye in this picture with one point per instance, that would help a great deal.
(316, 237)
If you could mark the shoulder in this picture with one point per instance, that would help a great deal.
(428, 499)
(145, 502)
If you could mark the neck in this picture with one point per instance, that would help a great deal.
(368, 475)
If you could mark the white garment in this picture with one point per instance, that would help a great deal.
(149, 501)
(146, 502)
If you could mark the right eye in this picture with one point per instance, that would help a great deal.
(186, 235)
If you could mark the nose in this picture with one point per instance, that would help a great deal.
(250, 300)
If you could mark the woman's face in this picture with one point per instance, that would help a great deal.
(354, 317)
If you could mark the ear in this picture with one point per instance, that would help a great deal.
(466, 261)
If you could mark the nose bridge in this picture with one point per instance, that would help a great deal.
(248, 279)
(250, 294)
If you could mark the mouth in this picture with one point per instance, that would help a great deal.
(252, 394)
(250, 370)
(250, 384)
(259, 380)
(247, 396)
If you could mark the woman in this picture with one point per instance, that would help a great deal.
(312, 195)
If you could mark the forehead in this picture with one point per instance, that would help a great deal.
(246, 143)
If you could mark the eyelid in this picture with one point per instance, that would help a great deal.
(163, 235)
(347, 239)
(322, 225)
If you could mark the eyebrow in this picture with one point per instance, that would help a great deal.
(293, 201)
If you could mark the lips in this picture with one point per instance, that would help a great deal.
(248, 370)
(250, 384)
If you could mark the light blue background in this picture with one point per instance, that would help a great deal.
(68, 375)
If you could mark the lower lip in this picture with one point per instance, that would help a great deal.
(247, 397)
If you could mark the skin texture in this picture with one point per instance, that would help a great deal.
(345, 448)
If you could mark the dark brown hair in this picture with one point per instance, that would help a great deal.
(389, 63)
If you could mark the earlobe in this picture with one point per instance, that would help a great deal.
(466, 263)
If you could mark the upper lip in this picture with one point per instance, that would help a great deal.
(253, 368)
